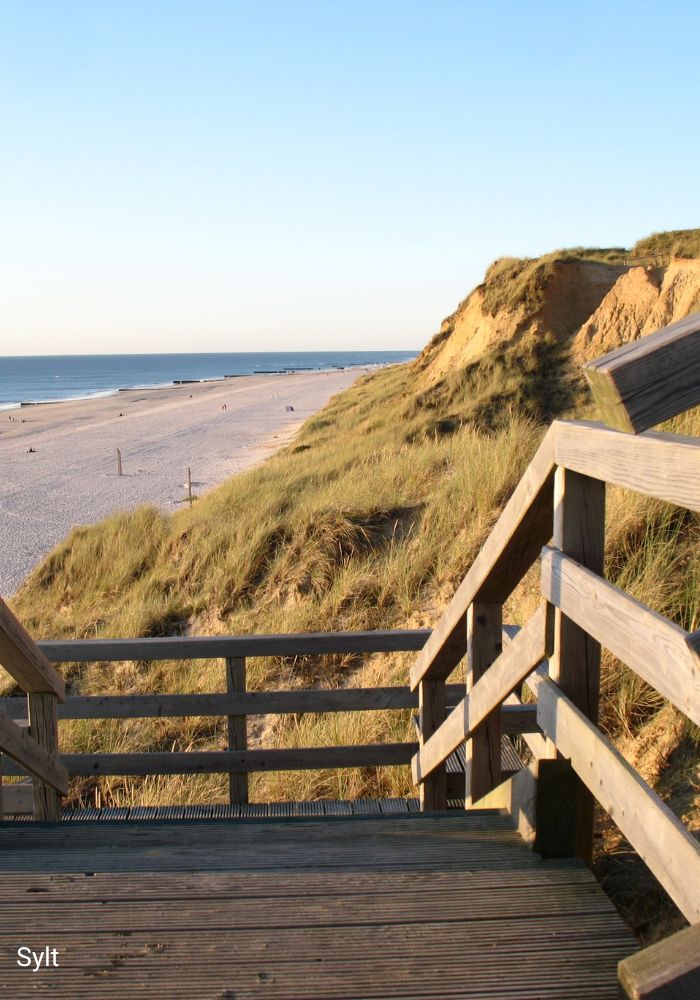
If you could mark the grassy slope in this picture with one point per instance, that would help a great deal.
(369, 519)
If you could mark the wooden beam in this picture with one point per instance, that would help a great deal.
(518, 659)
(664, 466)
(652, 646)
(225, 761)
(23, 659)
(432, 791)
(649, 380)
(482, 770)
(17, 798)
(539, 801)
(579, 532)
(221, 647)
(43, 728)
(667, 970)
(237, 726)
(31, 758)
(669, 850)
(524, 526)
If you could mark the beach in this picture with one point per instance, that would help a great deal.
(70, 477)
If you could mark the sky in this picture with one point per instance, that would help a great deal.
(321, 174)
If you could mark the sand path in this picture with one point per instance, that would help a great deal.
(71, 477)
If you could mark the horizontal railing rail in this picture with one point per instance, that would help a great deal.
(216, 647)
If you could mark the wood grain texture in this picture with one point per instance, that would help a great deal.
(579, 532)
(402, 906)
(660, 839)
(518, 659)
(649, 380)
(237, 727)
(524, 525)
(667, 970)
(26, 756)
(43, 728)
(652, 646)
(665, 466)
(17, 798)
(23, 659)
(221, 647)
(224, 761)
(482, 767)
(432, 714)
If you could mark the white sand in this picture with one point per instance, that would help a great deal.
(71, 478)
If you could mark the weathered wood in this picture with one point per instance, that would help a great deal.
(248, 703)
(652, 646)
(524, 526)
(515, 718)
(222, 647)
(510, 669)
(237, 726)
(649, 380)
(482, 768)
(224, 761)
(660, 839)
(667, 970)
(433, 790)
(539, 799)
(579, 531)
(664, 466)
(23, 659)
(26, 754)
(17, 799)
(43, 728)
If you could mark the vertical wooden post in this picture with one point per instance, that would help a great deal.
(237, 728)
(2, 807)
(119, 462)
(432, 712)
(579, 531)
(43, 727)
(483, 750)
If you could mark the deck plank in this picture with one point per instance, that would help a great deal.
(383, 904)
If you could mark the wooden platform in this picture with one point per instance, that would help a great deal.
(411, 905)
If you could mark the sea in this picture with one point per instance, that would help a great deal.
(49, 379)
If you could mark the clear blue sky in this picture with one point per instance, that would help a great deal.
(193, 176)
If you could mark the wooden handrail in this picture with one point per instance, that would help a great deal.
(23, 660)
(664, 466)
(649, 380)
(524, 526)
(316, 700)
(660, 839)
(226, 761)
(519, 658)
(30, 756)
(650, 644)
(667, 970)
(215, 647)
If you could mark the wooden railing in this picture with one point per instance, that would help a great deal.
(35, 750)
(557, 512)
(235, 705)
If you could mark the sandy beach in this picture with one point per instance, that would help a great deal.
(70, 477)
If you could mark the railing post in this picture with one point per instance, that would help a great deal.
(579, 531)
(237, 727)
(43, 727)
(432, 712)
(483, 750)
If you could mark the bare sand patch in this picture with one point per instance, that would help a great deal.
(70, 477)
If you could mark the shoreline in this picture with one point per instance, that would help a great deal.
(59, 467)
(159, 386)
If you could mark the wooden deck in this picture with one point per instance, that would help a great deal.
(410, 905)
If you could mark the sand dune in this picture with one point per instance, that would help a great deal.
(71, 476)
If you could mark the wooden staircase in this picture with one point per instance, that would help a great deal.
(495, 900)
